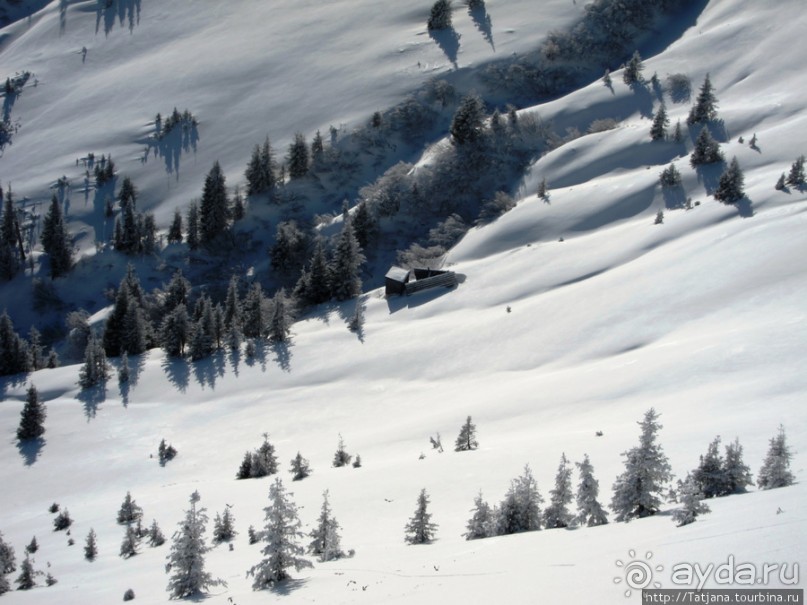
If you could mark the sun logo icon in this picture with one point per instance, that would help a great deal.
(638, 573)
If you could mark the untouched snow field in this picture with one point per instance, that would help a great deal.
(544, 342)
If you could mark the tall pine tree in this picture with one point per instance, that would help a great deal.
(56, 241)
(214, 208)
(32, 419)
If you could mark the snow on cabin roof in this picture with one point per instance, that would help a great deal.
(398, 274)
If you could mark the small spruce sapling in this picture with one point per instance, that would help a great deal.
(155, 535)
(326, 541)
(482, 523)
(32, 418)
(32, 546)
(128, 547)
(223, 530)
(775, 471)
(91, 546)
(730, 187)
(357, 461)
(62, 521)
(129, 511)
(796, 177)
(689, 496)
(466, 440)
(589, 511)
(341, 457)
(420, 529)
(300, 468)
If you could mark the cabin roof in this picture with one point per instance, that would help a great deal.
(398, 274)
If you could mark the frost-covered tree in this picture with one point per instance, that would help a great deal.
(56, 240)
(155, 535)
(131, 540)
(314, 288)
(705, 107)
(670, 177)
(32, 418)
(129, 511)
(282, 536)
(775, 471)
(638, 489)
(420, 529)
(557, 513)
(589, 511)
(298, 157)
(62, 521)
(730, 187)
(690, 497)
(300, 468)
(27, 578)
(710, 476)
(288, 252)
(260, 170)
(263, 461)
(467, 125)
(341, 457)
(738, 474)
(440, 15)
(176, 331)
(186, 561)
(796, 176)
(5, 586)
(520, 510)
(344, 272)
(223, 526)
(325, 539)
(482, 523)
(706, 150)
(254, 313)
(633, 70)
(8, 563)
(91, 546)
(281, 320)
(466, 440)
(15, 355)
(658, 130)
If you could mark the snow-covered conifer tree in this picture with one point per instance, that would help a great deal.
(467, 125)
(280, 322)
(689, 496)
(796, 177)
(705, 107)
(175, 230)
(730, 187)
(737, 473)
(128, 547)
(62, 520)
(633, 70)
(223, 530)
(214, 208)
(466, 440)
(7, 561)
(95, 369)
(264, 460)
(129, 511)
(91, 546)
(5, 586)
(670, 177)
(710, 476)
(326, 541)
(282, 535)
(344, 271)
(300, 468)
(298, 157)
(482, 523)
(341, 457)
(520, 510)
(420, 529)
(557, 513)
(186, 561)
(155, 534)
(32, 418)
(440, 15)
(775, 471)
(56, 240)
(706, 150)
(589, 510)
(27, 578)
(637, 490)
(658, 131)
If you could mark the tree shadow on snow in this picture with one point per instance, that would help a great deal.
(449, 42)
(177, 370)
(30, 449)
(674, 197)
(744, 207)
(91, 398)
(282, 351)
(643, 98)
(62, 17)
(127, 13)
(709, 175)
(481, 19)
(207, 370)
(288, 586)
(170, 146)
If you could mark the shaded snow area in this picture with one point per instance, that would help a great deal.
(574, 314)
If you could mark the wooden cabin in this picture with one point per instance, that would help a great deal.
(403, 282)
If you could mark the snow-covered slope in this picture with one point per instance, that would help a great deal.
(544, 343)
